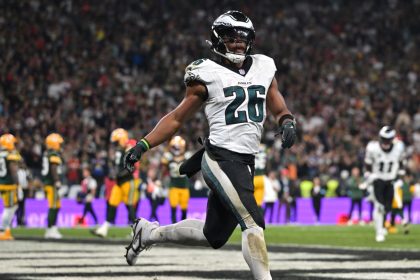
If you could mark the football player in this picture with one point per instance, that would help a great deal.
(52, 169)
(236, 92)
(383, 163)
(126, 187)
(179, 192)
(9, 165)
(260, 170)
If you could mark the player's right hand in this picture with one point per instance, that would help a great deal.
(133, 155)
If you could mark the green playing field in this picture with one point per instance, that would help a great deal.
(339, 236)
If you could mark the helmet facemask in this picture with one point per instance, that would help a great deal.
(386, 138)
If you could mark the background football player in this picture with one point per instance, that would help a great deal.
(52, 169)
(126, 187)
(179, 192)
(9, 165)
(383, 163)
(260, 173)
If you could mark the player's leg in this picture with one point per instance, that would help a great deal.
(186, 232)
(10, 207)
(173, 202)
(130, 196)
(233, 183)
(379, 209)
(183, 202)
(111, 211)
(54, 205)
(259, 190)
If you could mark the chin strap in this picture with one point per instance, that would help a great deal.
(232, 57)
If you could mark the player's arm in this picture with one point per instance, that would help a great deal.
(54, 174)
(171, 123)
(277, 106)
(14, 167)
(196, 94)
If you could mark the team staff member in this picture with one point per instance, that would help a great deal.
(52, 169)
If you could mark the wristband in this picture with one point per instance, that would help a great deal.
(146, 144)
(285, 117)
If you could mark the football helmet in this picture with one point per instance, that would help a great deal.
(54, 141)
(386, 137)
(119, 136)
(7, 141)
(177, 145)
(231, 26)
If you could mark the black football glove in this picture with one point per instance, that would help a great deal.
(288, 133)
(134, 154)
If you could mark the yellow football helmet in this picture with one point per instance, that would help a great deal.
(54, 141)
(120, 135)
(177, 145)
(7, 141)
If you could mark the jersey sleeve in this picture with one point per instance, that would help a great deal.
(14, 157)
(369, 155)
(166, 158)
(195, 72)
(55, 159)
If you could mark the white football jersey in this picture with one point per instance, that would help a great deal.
(385, 165)
(236, 104)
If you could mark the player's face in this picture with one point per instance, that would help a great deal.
(235, 44)
(386, 144)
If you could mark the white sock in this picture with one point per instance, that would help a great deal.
(186, 232)
(7, 217)
(255, 253)
(378, 217)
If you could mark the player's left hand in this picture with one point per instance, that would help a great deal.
(288, 133)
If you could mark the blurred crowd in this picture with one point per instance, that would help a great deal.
(85, 67)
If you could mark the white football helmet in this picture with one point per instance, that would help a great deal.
(386, 137)
(232, 24)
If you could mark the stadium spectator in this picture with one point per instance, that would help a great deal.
(69, 62)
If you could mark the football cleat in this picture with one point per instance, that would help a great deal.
(6, 235)
(392, 230)
(380, 238)
(52, 233)
(100, 231)
(141, 234)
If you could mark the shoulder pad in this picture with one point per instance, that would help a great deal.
(199, 63)
(166, 158)
(55, 159)
(14, 157)
(193, 72)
